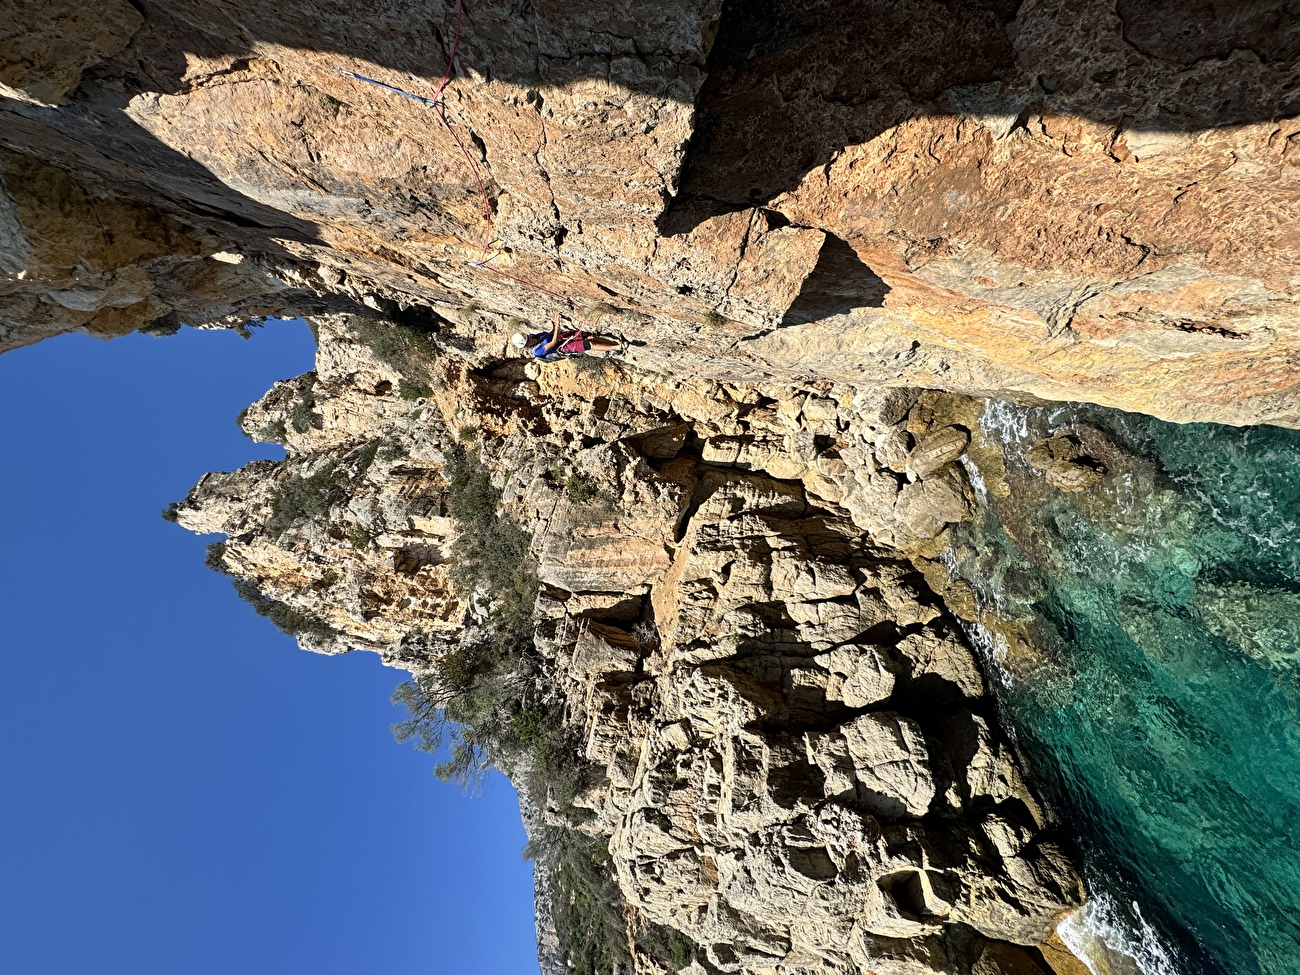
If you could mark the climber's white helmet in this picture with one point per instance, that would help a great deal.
(519, 340)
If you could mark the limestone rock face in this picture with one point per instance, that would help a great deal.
(785, 804)
(45, 46)
(1030, 200)
(76, 255)
(350, 531)
(787, 745)
(940, 447)
(807, 212)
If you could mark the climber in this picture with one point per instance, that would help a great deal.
(561, 343)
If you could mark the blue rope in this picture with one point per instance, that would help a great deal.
(396, 91)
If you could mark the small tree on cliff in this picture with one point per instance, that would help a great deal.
(486, 699)
(482, 696)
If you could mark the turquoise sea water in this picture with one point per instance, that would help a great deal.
(1163, 718)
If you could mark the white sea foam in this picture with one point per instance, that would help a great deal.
(976, 479)
(1111, 939)
(992, 648)
(1005, 423)
(1281, 535)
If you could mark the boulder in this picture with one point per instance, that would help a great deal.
(1062, 461)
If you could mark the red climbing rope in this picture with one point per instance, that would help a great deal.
(442, 115)
(455, 46)
(527, 284)
(439, 106)
(478, 178)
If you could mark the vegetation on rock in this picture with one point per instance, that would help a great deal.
(290, 621)
(487, 694)
(215, 557)
(310, 497)
(302, 416)
(489, 701)
(305, 497)
(586, 904)
(276, 432)
(413, 391)
(403, 347)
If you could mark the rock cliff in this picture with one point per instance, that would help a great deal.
(786, 744)
(1078, 199)
(830, 226)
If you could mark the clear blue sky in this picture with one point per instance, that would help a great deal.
(184, 791)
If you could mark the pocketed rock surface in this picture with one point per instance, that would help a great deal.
(788, 745)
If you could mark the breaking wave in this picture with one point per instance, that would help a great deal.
(1108, 937)
(1161, 708)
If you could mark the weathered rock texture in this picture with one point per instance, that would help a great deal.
(1078, 199)
(808, 210)
(789, 747)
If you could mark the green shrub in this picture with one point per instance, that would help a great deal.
(389, 452)
(413, 391)
(488, 699)
(492, 558)
(405, 348)
(485, 698)
(172, 512)
(668, 946)
(215, 557)
(586, 904)
(288, 620)
(360, 538)
(529, 726)
(580, 488)
(365, 457)
(491, 550)
(303, 416)
(305, 498)
(275, 432)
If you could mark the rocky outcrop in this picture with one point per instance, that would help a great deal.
(807, 213)
(798, 774)
(76, 255)
(46, 46)
(789, 749)
(1068, 200)
(1064, 464)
